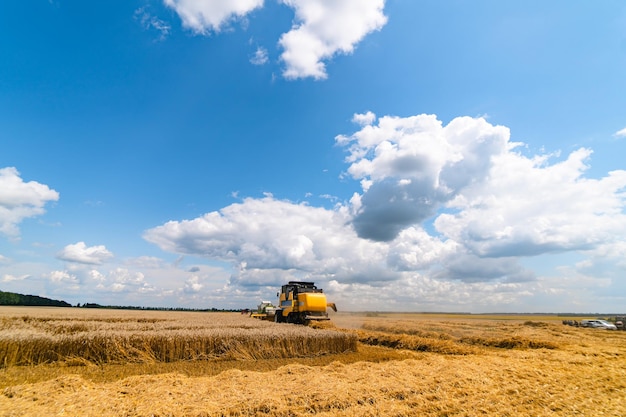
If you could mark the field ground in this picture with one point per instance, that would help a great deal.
(77, 362)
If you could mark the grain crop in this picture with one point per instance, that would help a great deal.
(404, 365)
(34, 339)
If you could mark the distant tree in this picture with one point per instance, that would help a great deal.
(15, 299)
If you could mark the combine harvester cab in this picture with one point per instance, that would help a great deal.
(300, 302)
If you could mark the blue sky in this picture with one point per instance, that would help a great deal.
(404, 155)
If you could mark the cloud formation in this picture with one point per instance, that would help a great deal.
(81, 253)
(64, 279)
(272, 235)
(20, 200)
(324, 28)
(621, 133)
(260, 57)
(527, 207)
(438, 204)
(121, 280)
(11, 278)
(206, 16)
(411, 167)
(321, 29)
(151, 22)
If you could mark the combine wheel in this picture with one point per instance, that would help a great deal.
(278, 316)
(292, 318)
(296, 318)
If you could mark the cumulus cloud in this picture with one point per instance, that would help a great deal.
(114, 281)
(206, 16)
(65, 280)
(20, 200)
(321, 29)
(192, 285)
(528, 207)
(410, 167)
(621, 133)
(161, 280)
(452, 209)
(364, 119)
(122, 278)
(324, 28)
(81, 253)
(269, 234)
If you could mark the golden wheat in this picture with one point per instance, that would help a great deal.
(433, 366)
(31, 340)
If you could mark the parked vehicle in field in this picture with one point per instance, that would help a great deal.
(603, 324)
(598, 324)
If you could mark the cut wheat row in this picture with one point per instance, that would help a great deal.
(44, 341)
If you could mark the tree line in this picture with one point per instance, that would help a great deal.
(14, 299)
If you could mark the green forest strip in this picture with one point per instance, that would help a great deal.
(14, 299)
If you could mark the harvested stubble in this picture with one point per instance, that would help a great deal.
(112, 339)
(431, 385)
(447, 336)
(411, 342)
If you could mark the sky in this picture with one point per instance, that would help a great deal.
(405, 155)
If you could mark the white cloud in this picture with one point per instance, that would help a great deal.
(503, 203)
(81, 253)
(528, 207)
(621, 133)
(125, 276)
(150, 22)
(415, 292)
(206, 16)
(410, 167)
(20, 200)
(125, 280)
(448, 217)
(269, 234)
(115, 280)
(146, 262)
(364, 119)
(192, 285)
(65, 280)
(324, 28)
(260, 57)
(12, 278)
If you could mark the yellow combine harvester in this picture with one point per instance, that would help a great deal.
(300, 302)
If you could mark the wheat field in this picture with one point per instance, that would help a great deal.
(227, 364)
(100, 337)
